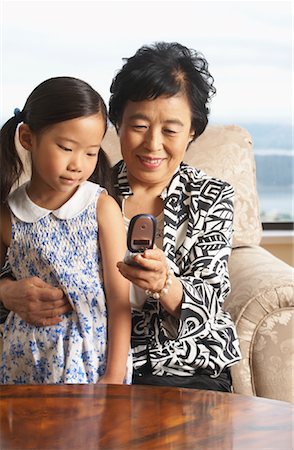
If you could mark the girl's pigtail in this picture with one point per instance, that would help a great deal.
(103, 174)
(10, 162)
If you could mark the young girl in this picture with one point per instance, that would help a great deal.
(68, 232)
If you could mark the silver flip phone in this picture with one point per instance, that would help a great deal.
(141, 235)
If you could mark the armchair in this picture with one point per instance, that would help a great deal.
(261, 301)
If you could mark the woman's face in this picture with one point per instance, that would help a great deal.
(154, 135)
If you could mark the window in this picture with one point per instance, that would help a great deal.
(247, 44)
(274, 160)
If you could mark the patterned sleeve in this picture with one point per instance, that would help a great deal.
(204, 273)
(4, 273)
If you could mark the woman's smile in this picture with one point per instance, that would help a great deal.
(150, 163)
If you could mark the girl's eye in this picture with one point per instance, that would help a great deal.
(66, 149)
(91, 154)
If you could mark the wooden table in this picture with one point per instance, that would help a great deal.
(87, 417)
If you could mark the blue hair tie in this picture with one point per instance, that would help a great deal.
(18, 115)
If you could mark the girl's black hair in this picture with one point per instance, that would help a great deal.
(164, 69)
(54, 100)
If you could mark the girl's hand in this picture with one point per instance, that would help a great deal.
(152, 271)
(34, 301)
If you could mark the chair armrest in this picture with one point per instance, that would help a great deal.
(261, 304)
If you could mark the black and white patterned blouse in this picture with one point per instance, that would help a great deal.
(198, 215)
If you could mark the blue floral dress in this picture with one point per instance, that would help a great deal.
(61, 248)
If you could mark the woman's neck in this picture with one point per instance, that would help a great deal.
(143, 201)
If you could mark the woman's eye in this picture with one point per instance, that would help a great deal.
(91, 154)
(140, 127)
(168, 131)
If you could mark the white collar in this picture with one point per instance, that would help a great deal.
(27, 211)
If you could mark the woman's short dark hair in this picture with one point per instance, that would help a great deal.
(164, 69)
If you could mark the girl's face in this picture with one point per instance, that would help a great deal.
(154, 135)
(65, 154)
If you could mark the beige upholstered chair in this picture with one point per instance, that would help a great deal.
(262, 296)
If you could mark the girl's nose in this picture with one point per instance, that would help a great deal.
(75, 163)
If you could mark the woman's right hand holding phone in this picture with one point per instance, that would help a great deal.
(151, 273)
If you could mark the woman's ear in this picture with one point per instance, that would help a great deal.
(25, 136)
(191, 138)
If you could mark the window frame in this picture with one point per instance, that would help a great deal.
(276, 226)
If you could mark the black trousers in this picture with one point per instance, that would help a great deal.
(200, 380)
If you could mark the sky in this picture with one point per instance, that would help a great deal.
(248, 45)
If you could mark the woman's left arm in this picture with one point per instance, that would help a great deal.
(204, 271)
(112, 242)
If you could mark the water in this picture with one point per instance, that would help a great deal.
(276, 205)
(275, 184)
(274, 157)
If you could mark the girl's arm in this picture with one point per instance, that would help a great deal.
(112, 242)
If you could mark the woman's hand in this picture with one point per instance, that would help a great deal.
(34, 301)
(152, 271)
(152, 275)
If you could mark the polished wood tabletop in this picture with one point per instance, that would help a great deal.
(70, 417)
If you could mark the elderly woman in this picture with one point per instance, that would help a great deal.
(181, 336)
